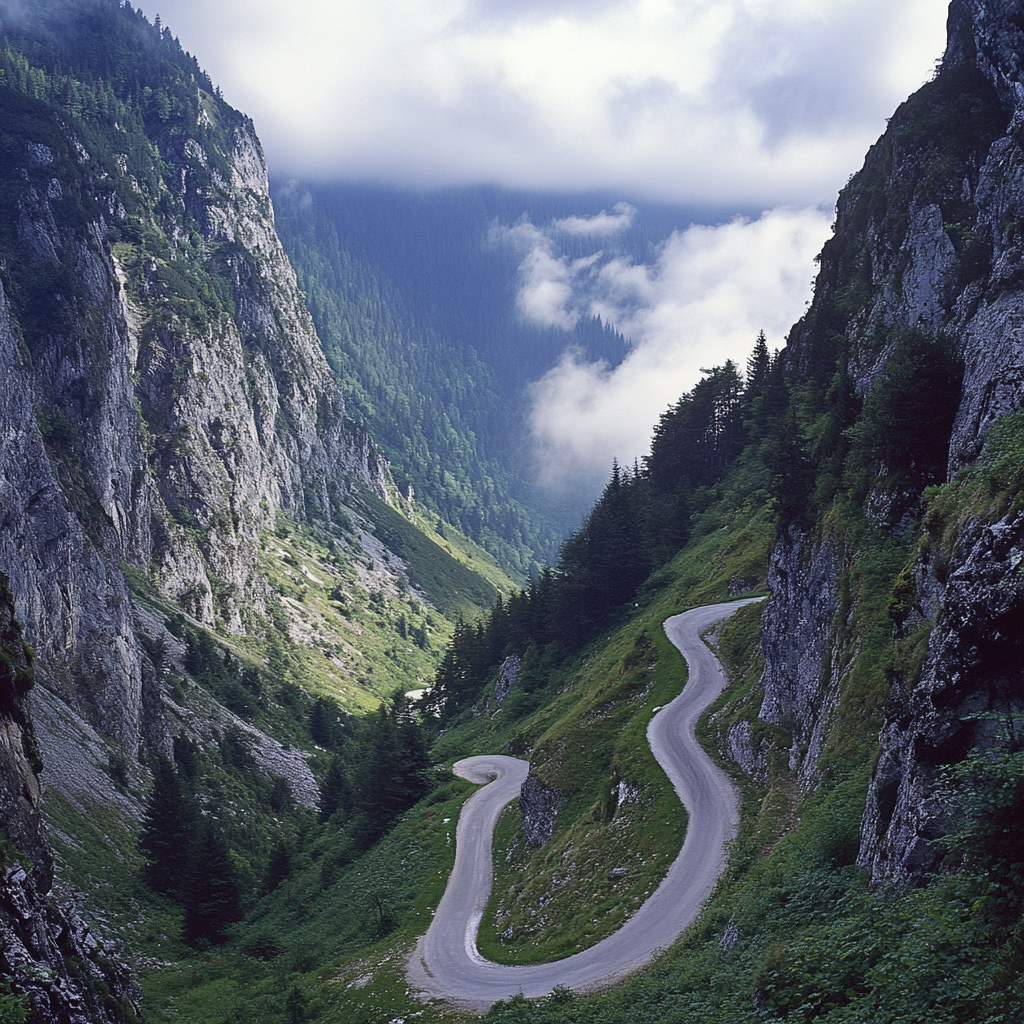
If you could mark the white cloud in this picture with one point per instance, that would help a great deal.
(602, 223)
(703, 301)
(549, 283)
(752, 102)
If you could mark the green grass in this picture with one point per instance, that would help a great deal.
(457, 580)
(791, 925)
(551, 902)
(338, 619)
(96, 853)
(345, 611)
(787, 919)
(987, 490)
(324, 929)
(334, 629)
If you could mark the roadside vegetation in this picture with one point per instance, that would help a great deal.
(240, 896)
(792, 931)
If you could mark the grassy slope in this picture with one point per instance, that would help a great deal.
(552, 902)
(791, 931)
(337, 599)
(334, 937)
(791, 926)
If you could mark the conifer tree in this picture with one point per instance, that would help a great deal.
(211, 894)
(171, 820)
(335, 793)
(279, 867)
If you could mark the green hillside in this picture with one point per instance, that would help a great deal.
(792, 927)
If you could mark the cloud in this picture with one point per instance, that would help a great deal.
(745, 102)
(603, 223)
(553, 288)
(701, 302)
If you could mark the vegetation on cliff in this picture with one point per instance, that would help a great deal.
(295, 892)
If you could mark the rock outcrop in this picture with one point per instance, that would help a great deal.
(800, 687)
(539, 805)
(929, 242)
(508, 678)
(39, 939)
(971, 681)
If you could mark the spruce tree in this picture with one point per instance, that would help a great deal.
(171, 821)
(279, 867)
(211, 896)
(335, 793)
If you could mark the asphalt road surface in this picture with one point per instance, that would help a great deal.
(446, 962)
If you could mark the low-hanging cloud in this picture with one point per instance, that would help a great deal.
(750, 103)
(703, 301)
(552, 287)
(603, 223)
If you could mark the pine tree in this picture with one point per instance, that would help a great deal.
(758, 367)
(172, 818)
(335, 793)
(323, 723)
(211, 895)
(279, 867)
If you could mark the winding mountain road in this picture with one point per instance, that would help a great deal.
(446, 962)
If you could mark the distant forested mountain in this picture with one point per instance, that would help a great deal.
(416, 307)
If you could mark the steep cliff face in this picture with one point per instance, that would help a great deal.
(163, 391)
(969, 692)
(926, 257)
(797, 636)
(39, 940)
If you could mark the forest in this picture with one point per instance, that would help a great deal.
(736, 440)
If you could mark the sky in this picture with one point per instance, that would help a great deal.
(765, 105)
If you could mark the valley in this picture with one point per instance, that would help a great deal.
(276, 571)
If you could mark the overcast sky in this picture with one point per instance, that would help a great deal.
(750, 104)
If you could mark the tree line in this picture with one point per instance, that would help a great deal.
(767, 435)
(373, 768)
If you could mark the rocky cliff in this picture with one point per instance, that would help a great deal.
(926, 258)
(164, 400)
(53, 962)
(163, 391)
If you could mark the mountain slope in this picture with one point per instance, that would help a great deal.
(869, 477)
(414, 296)
(876, 712)
(203, 549)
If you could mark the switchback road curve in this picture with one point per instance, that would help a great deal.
(446, 962)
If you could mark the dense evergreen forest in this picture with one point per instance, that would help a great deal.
(758, 440)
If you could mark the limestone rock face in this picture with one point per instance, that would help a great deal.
(974, 656)
(538, 805)
(139, 430)
(508, 678)
(929, 238)
(795, 638)
(38, 936)
(974, 674)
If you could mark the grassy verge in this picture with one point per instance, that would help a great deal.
(590, 743)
